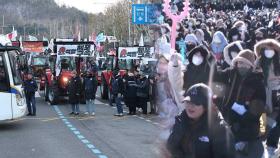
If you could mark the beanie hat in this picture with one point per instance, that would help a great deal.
(245, 56)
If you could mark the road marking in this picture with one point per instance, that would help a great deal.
(80, 137)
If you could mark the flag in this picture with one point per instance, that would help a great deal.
(12, 36)
(100, 37)
(32, 38)
(45, 38)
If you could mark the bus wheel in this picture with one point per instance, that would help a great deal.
(104, 89)
(52, 96)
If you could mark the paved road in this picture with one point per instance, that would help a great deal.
(53, 133)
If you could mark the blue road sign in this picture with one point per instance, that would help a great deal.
(145, 13)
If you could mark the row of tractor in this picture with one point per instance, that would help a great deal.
(53, 64)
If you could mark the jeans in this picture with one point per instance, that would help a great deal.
(119, 104)
(90, 106)
(111, 98)
(31, 104)
(75, 108)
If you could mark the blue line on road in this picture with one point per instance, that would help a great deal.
(89, 145)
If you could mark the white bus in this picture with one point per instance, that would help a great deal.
(12, 98)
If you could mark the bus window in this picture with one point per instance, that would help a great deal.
(15, 67)
(4, 84)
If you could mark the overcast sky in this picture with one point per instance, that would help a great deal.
(90, 6)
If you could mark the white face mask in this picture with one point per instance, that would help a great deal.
(190, 24)
(197, 60)
(269, 53)
(235, 37)
(216, 39)
(234, 54)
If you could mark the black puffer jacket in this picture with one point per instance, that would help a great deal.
(248, 91)
(200, 140)
(74, 89)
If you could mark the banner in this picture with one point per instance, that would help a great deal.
(31, 46)
(135, 52)
(83, 49)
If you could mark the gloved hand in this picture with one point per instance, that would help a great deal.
(239, 146)
(271, 151)
(238, 108)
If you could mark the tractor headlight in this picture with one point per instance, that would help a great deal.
(65, 79)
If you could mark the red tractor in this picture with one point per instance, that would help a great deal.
(68, 56)
(125, 58)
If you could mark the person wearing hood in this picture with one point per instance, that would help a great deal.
(206, 32)
(242, 103)
(268, 52)
(200, 37)
(242, 29)
(199, 68)
(217, 46)
(234, 35)
(191, 43)
(198, 132)
(258, 35)
(231, 51)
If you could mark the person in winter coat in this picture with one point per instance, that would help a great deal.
(130, 92)
(217, 46)
(143, 92)
(117, 92)
(198, 131)
(268, 52)
(242, 103)
(74, 89)
(273, 137)
(30, 87)
(199, 68)
(231, 51)
(90, 86)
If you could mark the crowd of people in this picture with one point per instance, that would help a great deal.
(227, 72)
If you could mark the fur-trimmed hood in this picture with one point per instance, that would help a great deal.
(202, 49)
(267, 43)
(246, 56)
(236, 46)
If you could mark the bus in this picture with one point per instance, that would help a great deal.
(13, 103)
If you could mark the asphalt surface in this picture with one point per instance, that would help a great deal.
(53, 133)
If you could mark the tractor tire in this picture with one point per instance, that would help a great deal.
(52, 95)
(104, 89)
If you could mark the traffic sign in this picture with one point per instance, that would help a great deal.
(145, 13)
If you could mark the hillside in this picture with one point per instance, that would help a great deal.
(41, 17)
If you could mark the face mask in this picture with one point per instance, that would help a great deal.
(269, 53)
(259, 38)
(216, 39)
(234, 54)
(235, 37)
(190, 24)
(197, 60)
(243, 71)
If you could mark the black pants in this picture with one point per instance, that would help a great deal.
(132, 107)
(143, 104)
(274, 134)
